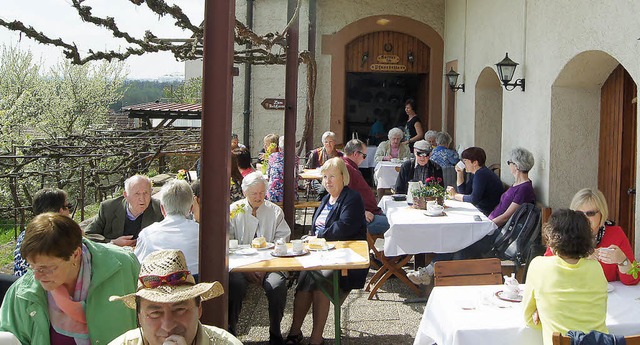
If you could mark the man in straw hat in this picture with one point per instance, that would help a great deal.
(168, 304)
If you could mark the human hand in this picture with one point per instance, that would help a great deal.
(369, 216)
(254, 277)
(124, 241)
(387, 158)
(451, 191)
(535, 317)
(611, 255)
(174, 339)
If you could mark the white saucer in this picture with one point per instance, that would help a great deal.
(434, 214)
(270, 245)
(246, 251)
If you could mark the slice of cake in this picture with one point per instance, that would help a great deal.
(259, 242)
(317, 243)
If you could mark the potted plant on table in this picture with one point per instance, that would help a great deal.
(432, 189)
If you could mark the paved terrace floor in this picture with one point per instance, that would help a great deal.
(385, 320)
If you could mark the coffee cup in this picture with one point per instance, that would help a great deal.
(296, 246)
(431, 203)
(233, 244)
(460, 165)
(435, 208)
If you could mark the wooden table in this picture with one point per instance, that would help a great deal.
(292, 264)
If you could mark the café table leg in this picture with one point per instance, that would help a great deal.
(334, 297)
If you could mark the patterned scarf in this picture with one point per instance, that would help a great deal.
(67, 314)
(600, 233)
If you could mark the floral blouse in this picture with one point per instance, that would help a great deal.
(275, 192)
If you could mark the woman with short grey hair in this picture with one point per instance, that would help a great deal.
(393, 148)
(328, 150)
(520, 162)
(442, 154)
(430, 136)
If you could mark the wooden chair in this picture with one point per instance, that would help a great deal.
(391, 266)
(468, 272)
(559, 339)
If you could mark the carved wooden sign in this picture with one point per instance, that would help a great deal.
(388, 58)
(388, 67)
(273, 103)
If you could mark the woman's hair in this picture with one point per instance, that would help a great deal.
(475, 154)
(337, 163)
(395, 133)
(177, 197)
(522, 158)
(430, 134)
(49, 200)
(195, 187)
(412, 103)
(271, 139)
(235, 163)
(593, 197)
(51, 234)
(327, 134)
(443, 139)
(243, 157)
(568, 233)
(253, 179)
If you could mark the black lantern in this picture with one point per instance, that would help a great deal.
(452, 79)
(506, 70)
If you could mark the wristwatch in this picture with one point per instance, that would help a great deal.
(624, 263)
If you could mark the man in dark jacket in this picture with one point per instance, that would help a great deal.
(418, 168)
(120, 220)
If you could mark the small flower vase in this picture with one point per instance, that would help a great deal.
(420, 202)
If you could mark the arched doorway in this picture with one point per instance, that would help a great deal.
(488, 120)
(336, 46)
(593, 134)
(383, 69)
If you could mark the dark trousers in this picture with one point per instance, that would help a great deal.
(275, 287)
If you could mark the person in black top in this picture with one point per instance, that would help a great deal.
(418, 168)
(413, 129)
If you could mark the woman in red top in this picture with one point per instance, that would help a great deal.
(613, 250)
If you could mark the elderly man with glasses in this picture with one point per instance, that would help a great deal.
(354, 151)
(417, 169)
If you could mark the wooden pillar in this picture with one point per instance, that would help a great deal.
(290, 116)
(216, 150)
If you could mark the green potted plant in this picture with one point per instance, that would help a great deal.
(432, 189)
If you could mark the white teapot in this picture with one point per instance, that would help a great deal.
(511, 286)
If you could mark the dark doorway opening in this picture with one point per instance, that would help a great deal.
(373, 97)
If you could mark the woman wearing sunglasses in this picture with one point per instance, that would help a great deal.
(613, 249)
(64, 297)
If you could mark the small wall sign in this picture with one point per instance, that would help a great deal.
(273, 103)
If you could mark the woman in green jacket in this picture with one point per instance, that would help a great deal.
(64, 297)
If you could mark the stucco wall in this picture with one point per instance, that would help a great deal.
(543, 36)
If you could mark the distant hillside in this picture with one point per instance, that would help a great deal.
(143, 91)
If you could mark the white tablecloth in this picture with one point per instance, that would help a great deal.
(369, 162)
(491, 321)
(411, 231)
(385, 174)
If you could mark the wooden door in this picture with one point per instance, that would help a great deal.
(617, 156)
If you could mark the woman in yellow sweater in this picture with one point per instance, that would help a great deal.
(566, 291)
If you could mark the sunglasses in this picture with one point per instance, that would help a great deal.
(364, 155)
(422, 153)
(171, 279)
(590, 213)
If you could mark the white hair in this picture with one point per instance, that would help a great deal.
(395, 132)
(327, 134)
(281, 142)
(128, 183)
(177, 197)
(253, 179)
(430, 134)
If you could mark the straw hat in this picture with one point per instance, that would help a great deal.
(162, 263)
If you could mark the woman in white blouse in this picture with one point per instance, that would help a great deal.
(253, 217)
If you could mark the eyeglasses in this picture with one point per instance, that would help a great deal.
(364, 155)
(68, 206)
(44, 270)
(172, 279)
(422, 153)
(510, 162)
(590, 213)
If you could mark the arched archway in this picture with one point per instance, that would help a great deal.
(593, 134)
(335, 46)
(488, 119)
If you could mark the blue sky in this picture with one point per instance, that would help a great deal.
(58, 19)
